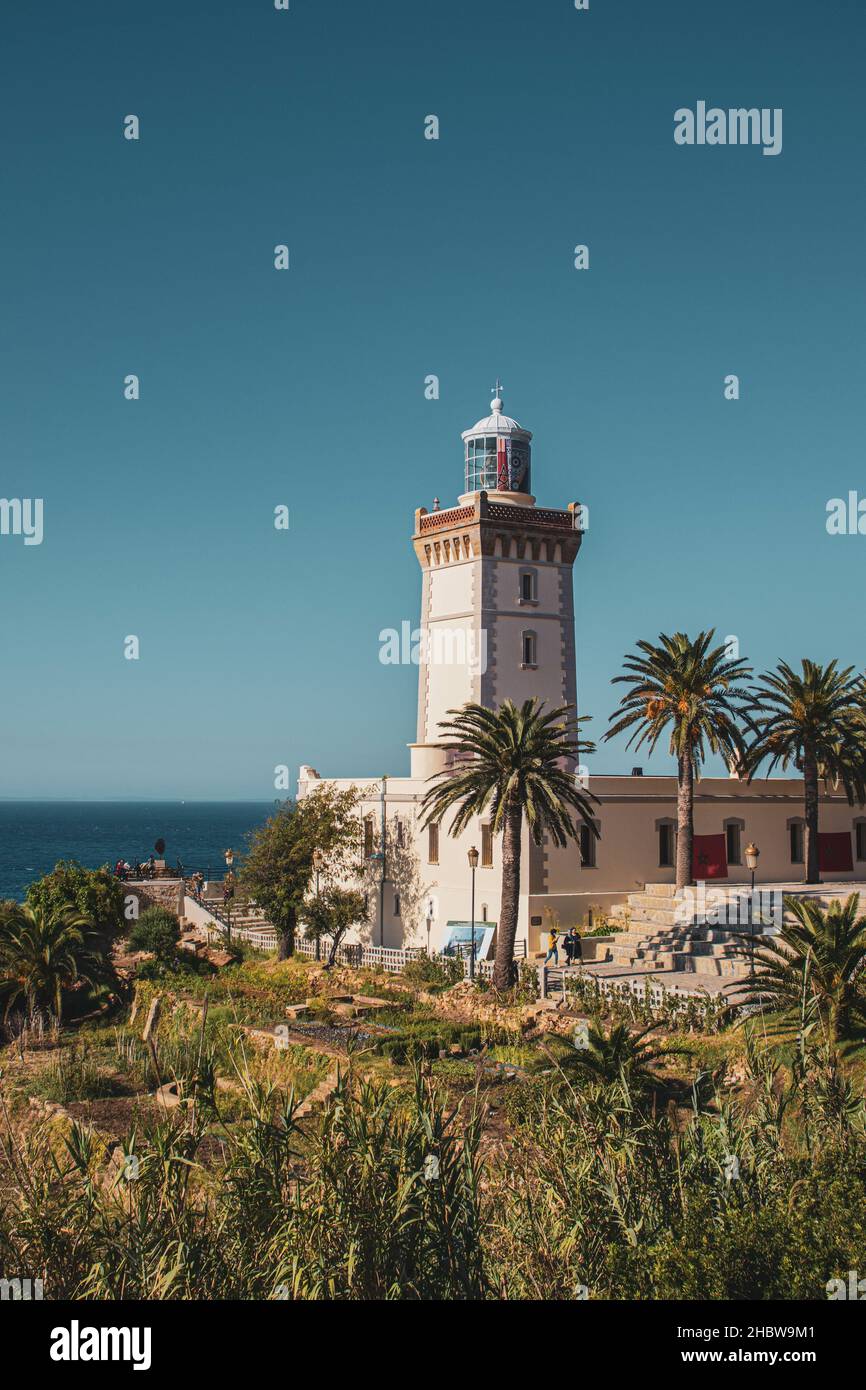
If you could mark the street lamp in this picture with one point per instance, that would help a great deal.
(753, 854)
(230, 859)
(472, 856)
(317, 866)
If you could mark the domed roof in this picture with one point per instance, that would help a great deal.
(496, 422)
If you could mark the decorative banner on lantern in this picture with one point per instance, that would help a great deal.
(503, 465)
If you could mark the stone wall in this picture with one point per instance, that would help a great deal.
(160, 892)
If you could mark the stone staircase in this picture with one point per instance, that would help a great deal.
(659, 938)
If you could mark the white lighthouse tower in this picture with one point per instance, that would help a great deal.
(497, 606)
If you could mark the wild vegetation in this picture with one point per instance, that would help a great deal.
(465, 1145)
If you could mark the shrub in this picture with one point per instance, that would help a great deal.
(156, 930)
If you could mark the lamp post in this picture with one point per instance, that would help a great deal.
(382, 878)
(230, 859)
(753, 854)
(472, 856)
(317, 866)
(429, 921)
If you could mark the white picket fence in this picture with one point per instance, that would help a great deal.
(357, 955)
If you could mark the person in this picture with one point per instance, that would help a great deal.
(552, 947)
(572, 946)
(151, 866)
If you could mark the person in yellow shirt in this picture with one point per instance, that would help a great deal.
(552, 947)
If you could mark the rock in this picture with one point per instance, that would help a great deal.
(152, 1018)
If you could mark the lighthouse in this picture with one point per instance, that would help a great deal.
(497, 605)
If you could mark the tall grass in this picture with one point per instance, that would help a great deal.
(600, 1192)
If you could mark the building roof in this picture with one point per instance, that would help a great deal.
(496, 422)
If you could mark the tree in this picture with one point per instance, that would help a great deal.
(814, 720)
(93, 893)
(514, 762)
(812, 971)
(158, 931)
(280, 861)
(42, 953)
(331, 913)
(689, 688)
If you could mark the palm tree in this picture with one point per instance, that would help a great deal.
(518, 762)
(619, 1055)
(41, 954)
(688, 687)
(813, 720)
(813, 970)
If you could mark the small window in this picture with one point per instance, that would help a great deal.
(433, 842)
(486, 847)
(733, 842)
(484, 912)
(587, 847)
(528, 643)
(528, 586)
(396, 904)
(860, 838)
(796, 831)
(666, 846)
(400, 840)
(368, 837)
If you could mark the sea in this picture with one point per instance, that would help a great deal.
(35, 834)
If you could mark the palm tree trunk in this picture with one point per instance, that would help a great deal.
(685, 819)
(506, 931)
(810, 800)
(286, 942)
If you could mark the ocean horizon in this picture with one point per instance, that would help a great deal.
(35, 834)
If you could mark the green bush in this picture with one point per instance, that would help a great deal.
(157, 930)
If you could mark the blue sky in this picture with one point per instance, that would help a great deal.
(408, 257)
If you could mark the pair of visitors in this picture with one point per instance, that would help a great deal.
(573, 947)
(552, 947)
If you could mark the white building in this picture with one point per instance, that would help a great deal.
(497, 622)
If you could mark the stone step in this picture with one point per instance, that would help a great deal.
(644, 906)
(661, 890)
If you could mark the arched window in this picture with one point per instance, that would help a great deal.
(528, 586)
(735, 829)
(666, 828)
(797, 838)
(588, 843)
